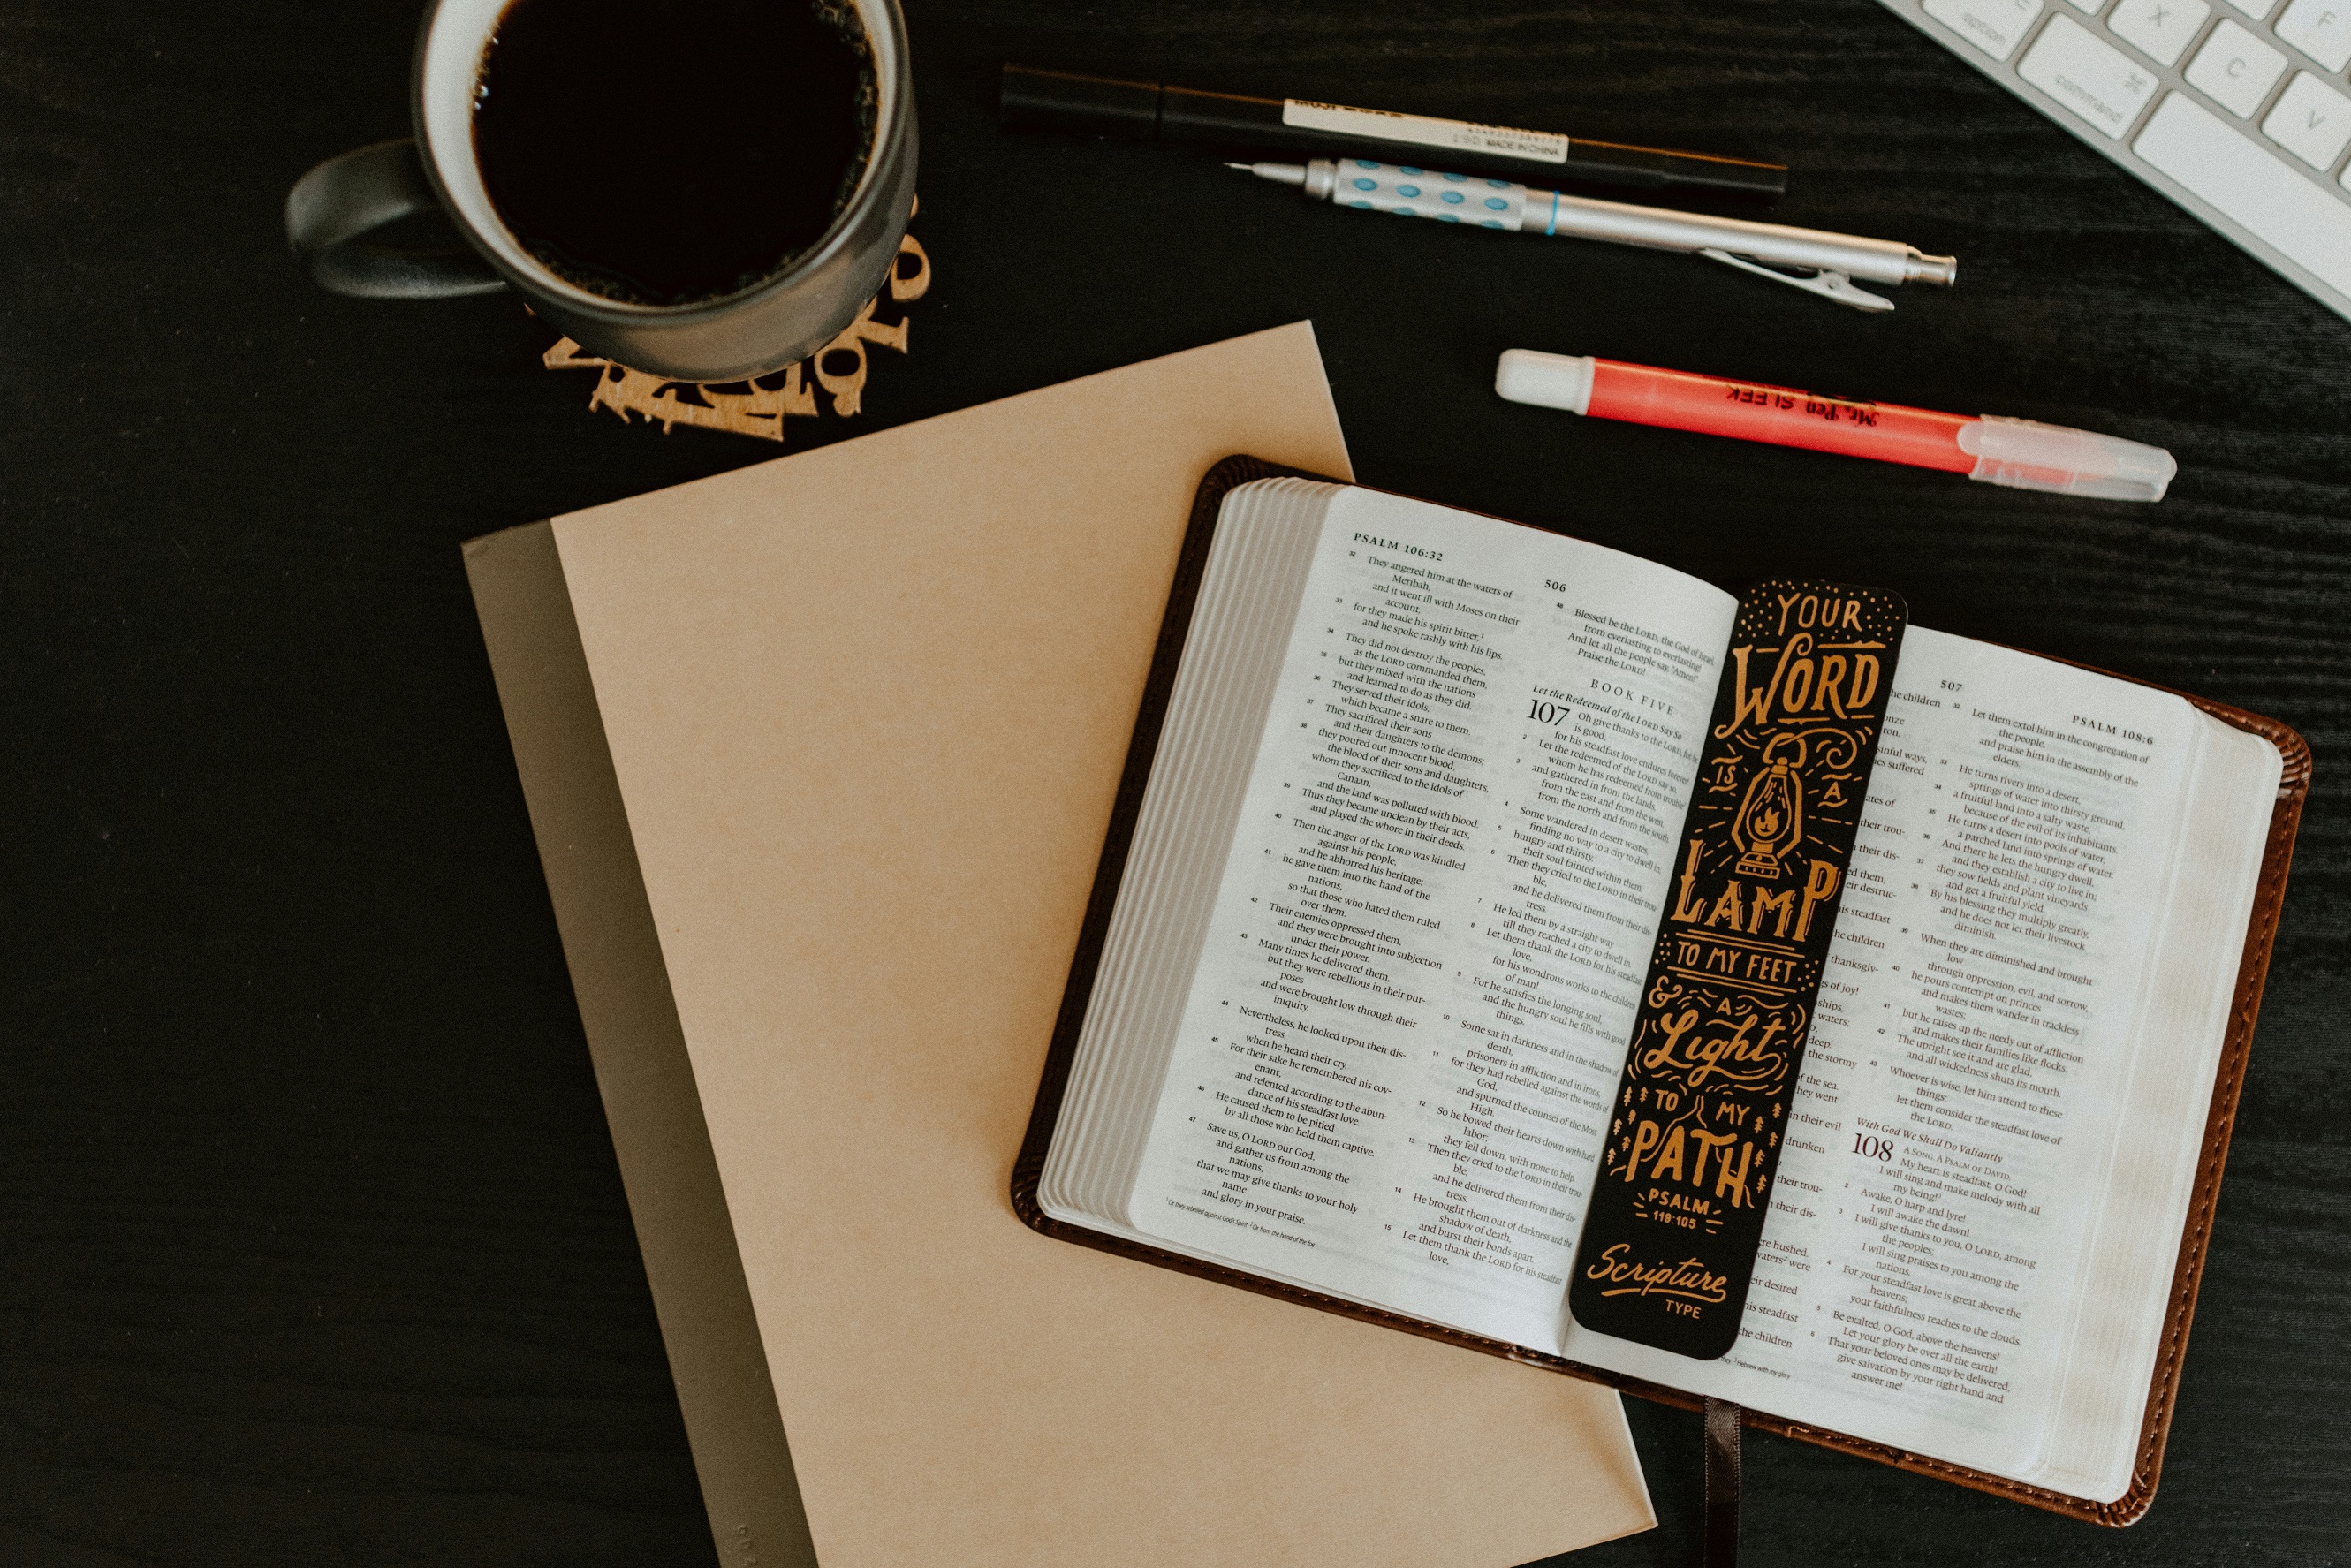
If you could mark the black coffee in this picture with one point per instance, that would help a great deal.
(663, 152)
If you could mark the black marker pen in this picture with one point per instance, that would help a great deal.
(1149, 111)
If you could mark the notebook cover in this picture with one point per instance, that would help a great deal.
(2163, 1390)
(860, 716)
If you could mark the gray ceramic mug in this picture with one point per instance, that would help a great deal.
(334, 208)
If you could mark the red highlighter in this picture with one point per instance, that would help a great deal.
(2018, 452)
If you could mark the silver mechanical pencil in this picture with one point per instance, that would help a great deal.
(1819, 263)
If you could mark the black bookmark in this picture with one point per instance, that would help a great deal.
(1677, 1213)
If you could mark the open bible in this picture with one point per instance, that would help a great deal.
(1399, 829)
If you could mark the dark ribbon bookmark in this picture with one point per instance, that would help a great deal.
(1721, 1484)
(1670, 1235)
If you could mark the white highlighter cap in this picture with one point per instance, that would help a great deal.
(2027, 455)
(1548, 381)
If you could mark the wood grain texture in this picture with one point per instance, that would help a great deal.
(315, 1251)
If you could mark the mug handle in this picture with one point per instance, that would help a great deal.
(330, 211)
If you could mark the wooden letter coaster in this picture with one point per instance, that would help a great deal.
(759, 407)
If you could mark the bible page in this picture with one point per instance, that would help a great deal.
(1392, 1074)
(1979, 1024)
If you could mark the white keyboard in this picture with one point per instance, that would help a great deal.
(2239, 111)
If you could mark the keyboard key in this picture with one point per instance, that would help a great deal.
(2256, 9)
(2319, 28)
(2236, 68)
(2311, 121)
(2238, 176)
(1995, 26)
(2087, 75)
(2161, 27)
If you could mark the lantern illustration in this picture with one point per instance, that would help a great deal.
(1771, 821)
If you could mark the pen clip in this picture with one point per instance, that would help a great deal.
(1828, 284)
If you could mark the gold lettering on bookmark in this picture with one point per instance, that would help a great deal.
(1718, 1036)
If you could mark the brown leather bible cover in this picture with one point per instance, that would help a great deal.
(2294, 785)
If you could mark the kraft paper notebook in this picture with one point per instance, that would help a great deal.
(1472, 888)
(819, 756)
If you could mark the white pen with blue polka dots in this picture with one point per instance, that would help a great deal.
(1821, 263)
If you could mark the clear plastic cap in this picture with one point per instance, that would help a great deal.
(2027, 455)
(1548, 381)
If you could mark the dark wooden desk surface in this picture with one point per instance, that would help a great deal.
(315, 1249)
